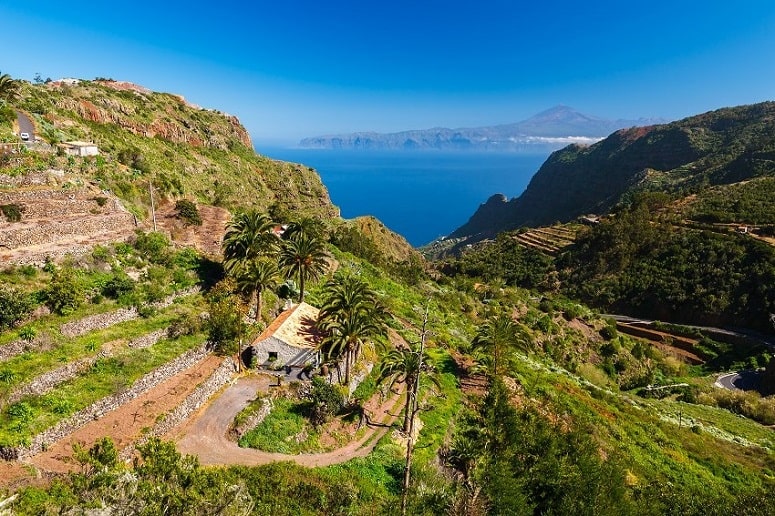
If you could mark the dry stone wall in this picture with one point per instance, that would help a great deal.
(28, 234)
(19, 346)
(220, 377)
(106, 320)
(51, 176)
(99, 408)
(49, 380)
(254, 420)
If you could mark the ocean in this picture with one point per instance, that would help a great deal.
(421, 195)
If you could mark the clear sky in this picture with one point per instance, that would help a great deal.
(291, 68)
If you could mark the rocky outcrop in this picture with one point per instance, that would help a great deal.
(169, 123)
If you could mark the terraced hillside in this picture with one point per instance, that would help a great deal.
(54, 222)
(550, 240)
(145, 136)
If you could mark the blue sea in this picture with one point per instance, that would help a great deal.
(421, 195)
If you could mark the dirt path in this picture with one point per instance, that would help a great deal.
(125, 424)
(205, 434)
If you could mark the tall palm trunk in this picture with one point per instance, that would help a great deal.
(301, 285)
(258, 304)
(409, 407)
(347, 357)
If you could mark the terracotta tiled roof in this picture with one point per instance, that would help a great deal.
(295, 326)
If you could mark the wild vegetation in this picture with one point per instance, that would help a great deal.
(520, 399)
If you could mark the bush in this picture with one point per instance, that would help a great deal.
(325, 401)
(65, 293)
(15, 305)
(12, 212)
(155, 247)
(118, 285)
(188, 212)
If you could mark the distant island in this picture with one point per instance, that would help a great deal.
(547, 131)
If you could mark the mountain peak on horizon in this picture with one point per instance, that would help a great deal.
(550, 129)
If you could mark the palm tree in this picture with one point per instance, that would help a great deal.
(303, 257)
(345, 337)
(349, 304)
(404, 365)
(248, 235)
(256, 276)
(307, 226)
(9, 88)
(497, 334)
(346, 294)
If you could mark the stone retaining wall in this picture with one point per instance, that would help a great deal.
(53, 210)
(106, 320)
(19, 346)
(220, 377)
(254, 420)
(24, 235)
(47, 381)
(42, 195)
(101, 407)
(51, 176)
(98, 322)
(149, 339)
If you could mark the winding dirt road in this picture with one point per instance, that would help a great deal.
(205, 434)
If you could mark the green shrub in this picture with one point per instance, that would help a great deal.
(325, 401)
(188, 212)
(65, 293)
(155, 247)
(15, 305)
(118, 285)
(12, 212)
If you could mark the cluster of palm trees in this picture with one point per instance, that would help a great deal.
(351, 314)
(258, 259)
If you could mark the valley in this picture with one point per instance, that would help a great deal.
(142, 291)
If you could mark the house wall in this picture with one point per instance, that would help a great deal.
(286, 354)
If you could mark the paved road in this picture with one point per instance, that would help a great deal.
(739, 381)
(25, 125)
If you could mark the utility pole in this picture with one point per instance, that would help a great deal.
(411, 406)
(153, 209)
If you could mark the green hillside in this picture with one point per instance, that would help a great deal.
(703, 156)
(528, 401)
(184, 150)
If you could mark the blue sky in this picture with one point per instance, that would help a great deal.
(291, 68)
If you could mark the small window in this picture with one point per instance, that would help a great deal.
(272, 356)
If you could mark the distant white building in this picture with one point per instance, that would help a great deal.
(80, 148)
(291, 340)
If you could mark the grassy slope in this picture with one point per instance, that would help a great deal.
(186, 151)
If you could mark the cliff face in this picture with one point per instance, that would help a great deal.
(716, 148)
(149, 114)
(183, 150)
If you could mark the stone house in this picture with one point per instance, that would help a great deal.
(291, 341)
(80, 149)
